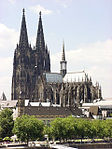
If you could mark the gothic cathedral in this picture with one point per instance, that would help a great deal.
(33, 80)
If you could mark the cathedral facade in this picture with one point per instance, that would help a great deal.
(32, 77)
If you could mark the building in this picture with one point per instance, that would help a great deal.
(33, 80)
(99, 109)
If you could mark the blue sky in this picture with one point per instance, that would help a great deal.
(84, 25)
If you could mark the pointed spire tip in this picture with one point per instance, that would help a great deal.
(63, 53)
(40, 13)
(23, 32)
(23, 11)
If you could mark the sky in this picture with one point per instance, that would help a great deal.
(85, 26)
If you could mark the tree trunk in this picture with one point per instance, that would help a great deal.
(27, 141)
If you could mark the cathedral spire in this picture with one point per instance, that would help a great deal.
(23, 42)
(63, 53)
(63, 63)
(40, 44)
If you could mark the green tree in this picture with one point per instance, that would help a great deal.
(64, 128)
(70, 127)
(6, 123)
(47, 130)
(1, 131)
(58, 128)
(94, 129)
(28, 128)
(107, 128)
(83, 128)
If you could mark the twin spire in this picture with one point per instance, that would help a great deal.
(23, 42)
(40, 43)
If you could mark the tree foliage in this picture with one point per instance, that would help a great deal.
(107, 128)
(58, 128)
(64, 128)
(72, 128)
(83, 126)
(6, 123)
(47, 130)
(28, 128)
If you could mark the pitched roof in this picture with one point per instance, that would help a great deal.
(53, 77)
(52, 111)
(74, 76)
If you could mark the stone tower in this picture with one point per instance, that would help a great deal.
(21, 65)
(29, 64)
(41, 53)
(63, 63)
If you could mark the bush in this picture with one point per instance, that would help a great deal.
(1, 140)
(6, 139)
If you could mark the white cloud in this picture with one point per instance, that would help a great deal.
(8, 39)
(12, 1)
(64, 3)
(5, 86)
(5, 64)
(5, 76)
(95, 58)
(39, 8)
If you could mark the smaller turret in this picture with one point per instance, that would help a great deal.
(63, 63)
(3, 98)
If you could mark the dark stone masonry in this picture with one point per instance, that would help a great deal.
(31, 73)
